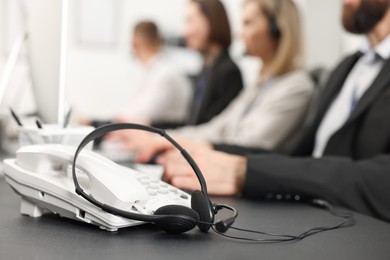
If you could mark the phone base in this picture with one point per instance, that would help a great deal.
(30, 209)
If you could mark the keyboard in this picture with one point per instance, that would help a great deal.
(114, 151)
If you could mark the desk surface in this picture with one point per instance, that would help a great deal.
(51, 237)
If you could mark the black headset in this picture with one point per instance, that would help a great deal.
(177, 219)
(173, 219)
(274, 26)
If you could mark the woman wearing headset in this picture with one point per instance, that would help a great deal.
(263, 116)
(207, 31)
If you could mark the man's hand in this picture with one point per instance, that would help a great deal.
(224, 173)
(146, 145)
(134, 120)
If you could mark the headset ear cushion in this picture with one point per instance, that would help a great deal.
(203, 207)
(275, 30)
(176, 219)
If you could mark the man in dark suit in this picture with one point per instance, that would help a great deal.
(344, 155)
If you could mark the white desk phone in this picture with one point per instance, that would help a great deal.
(42, 176)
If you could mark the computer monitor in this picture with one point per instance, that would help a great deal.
(47, 29)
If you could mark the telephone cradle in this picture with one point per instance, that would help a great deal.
(42, 176)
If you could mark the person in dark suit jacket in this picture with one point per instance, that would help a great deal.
(344, 155)
(207, 30)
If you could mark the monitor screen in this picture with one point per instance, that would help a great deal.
(46, 27)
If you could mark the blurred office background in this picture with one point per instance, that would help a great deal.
(101, 71)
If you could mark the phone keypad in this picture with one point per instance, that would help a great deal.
(162, 193)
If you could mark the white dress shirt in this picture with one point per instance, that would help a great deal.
(164, 93)
(357, 83)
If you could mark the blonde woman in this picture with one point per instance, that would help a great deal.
(267, 114)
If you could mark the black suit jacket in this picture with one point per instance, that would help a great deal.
(355, 169)
(367, 131)
(223, 85)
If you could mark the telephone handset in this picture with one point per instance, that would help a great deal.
(41, 174)
(109, 181)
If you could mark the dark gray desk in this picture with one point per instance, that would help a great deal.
(51, 237)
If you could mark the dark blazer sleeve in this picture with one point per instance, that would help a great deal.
(363, 186)
(162, 125)
(239, 150)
